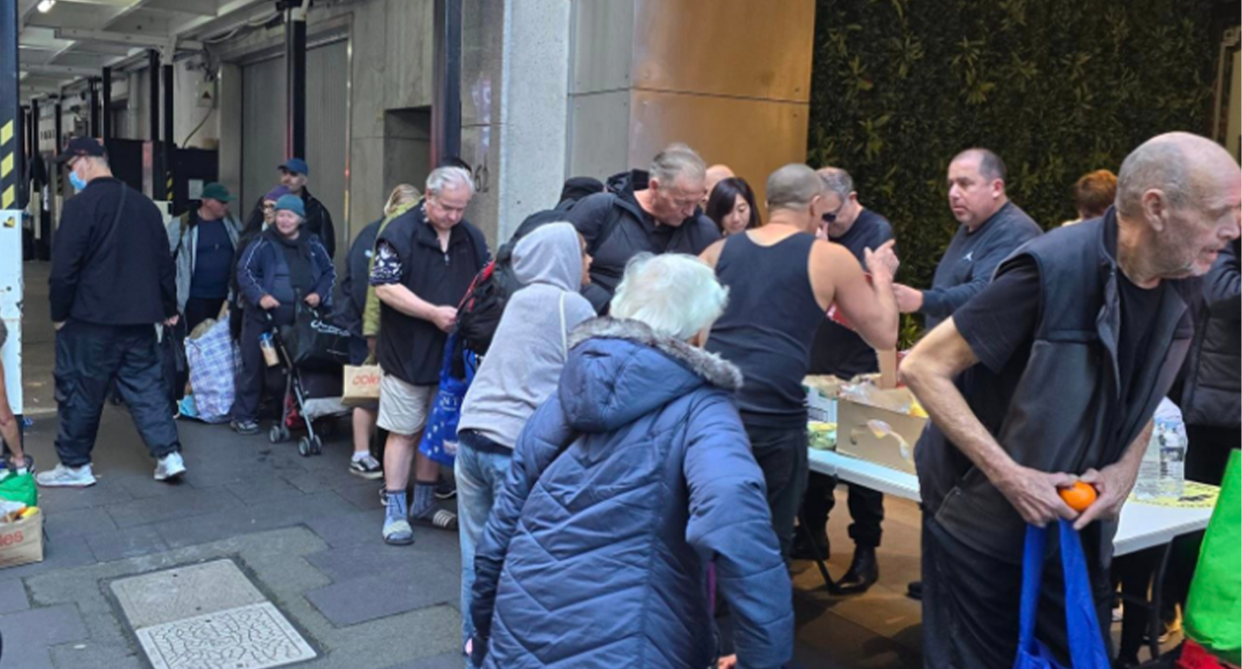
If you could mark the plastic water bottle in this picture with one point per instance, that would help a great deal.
(1147, 487)
(1172, 458)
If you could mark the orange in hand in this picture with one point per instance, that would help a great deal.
(1079, 496)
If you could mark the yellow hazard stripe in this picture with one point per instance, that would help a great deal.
(6, 165)
(6, 132)
(7, 198)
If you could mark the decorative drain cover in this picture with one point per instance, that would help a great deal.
(250, 637)
(208, 616)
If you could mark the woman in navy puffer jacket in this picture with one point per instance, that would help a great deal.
(631, 479)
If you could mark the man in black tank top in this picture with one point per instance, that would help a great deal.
(781, 282)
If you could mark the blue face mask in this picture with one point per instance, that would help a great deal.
(78, 183)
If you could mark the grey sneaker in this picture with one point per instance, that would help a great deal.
(246, 427)
(368, 468)
(66, 477)
(170, 467)
(397, 532)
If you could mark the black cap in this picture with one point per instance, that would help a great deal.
(81, 146)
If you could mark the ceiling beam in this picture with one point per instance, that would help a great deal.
(131, 39)
(63, 70)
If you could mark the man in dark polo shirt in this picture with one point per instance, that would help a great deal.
(425, 260)
(991, 228)
(112, 281)
(1050, 375)
(840, 351)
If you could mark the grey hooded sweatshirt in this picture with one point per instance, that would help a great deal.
(523, 365)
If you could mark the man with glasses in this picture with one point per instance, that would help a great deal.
(652, 211)
(840, 351)
(992, 227)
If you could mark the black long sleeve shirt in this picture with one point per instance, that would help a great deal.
(100, 275)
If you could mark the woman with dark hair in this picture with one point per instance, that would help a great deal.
(732, 206)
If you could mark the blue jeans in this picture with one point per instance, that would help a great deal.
(481, 469)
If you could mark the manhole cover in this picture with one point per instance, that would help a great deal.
(249, 637)
(208, 616)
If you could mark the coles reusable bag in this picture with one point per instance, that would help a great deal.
(1214, 608)
(1086, 644)
(440, 436)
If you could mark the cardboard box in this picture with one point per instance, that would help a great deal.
(21, 542)
(875, 434)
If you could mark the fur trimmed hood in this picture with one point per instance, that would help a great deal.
(621, 370)
(713, 368)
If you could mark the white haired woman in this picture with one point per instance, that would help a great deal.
(625, 485)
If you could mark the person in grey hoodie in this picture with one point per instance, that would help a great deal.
(520, 371)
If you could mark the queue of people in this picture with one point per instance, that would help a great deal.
(632, 449)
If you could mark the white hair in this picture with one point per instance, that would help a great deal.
(447, 177)
(677, 295)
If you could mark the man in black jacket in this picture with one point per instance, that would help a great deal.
(652, 212)
(294, 173)
(112, 280)
(840, 351)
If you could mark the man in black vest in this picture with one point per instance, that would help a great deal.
(425, 260)
(1051, 375)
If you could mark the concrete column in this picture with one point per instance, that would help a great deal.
(229, 111)
(514, 135)
(602, 85)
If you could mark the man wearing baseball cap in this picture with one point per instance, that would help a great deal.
(204, 243)
(294, 173)
(112, 279)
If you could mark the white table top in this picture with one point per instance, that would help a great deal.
(1142, 525)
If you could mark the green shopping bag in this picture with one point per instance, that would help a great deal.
(19, 488)
(1214, 608)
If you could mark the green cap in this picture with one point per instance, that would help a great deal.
(216, 191)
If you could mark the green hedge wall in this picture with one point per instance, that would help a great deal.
(1056, 87)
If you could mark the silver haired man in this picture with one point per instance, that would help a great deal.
(652, 211)
(425, 260)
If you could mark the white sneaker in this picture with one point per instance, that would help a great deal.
(66, 477)
(170, 468)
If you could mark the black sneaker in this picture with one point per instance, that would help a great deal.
(246, 427)
(368, 468)
(446, 488)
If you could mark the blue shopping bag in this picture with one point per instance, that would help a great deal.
(440, 436)
(1086, 644)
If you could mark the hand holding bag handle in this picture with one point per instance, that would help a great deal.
(1086, 642)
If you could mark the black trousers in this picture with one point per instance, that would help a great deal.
(866, 509)
(971, 602)
(251, 380)
(199, 309)
(781, 454)
(91, 357)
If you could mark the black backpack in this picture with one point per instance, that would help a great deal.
(480, 310)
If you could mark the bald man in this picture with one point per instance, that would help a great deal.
(781, 281)
(714, 175)
(1052, 374)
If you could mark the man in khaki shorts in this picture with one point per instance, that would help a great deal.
(425, 260)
